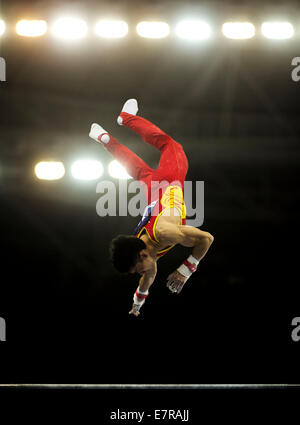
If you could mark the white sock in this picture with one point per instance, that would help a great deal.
(131, 107)
(95, 132)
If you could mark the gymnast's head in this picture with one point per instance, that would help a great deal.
(129, 254)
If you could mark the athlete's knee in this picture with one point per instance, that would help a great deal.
(178, 145)
(162, 140)
(180, 150)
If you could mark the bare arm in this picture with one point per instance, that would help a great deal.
(144, 284)
(188, 236)
(147, 279)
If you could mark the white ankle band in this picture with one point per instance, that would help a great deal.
(105, 138)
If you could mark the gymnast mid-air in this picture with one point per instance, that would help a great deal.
(163, 222)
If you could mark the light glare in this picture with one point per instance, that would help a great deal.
(31, 28)
(193, 30)
(2, 27)
(87, 169)
(69, 28)
(111, 29)
(153, 29)
(117, 171)
(238, 30)
(277, 30)
(49, 170)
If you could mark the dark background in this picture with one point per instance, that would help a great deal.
(234, 107)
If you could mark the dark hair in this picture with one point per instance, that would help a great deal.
(124, 250)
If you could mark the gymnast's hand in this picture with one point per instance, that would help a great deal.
(176, 282)
(135, 309)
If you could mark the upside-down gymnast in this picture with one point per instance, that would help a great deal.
(163, 222)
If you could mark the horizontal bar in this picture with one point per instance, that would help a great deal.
(151, 386)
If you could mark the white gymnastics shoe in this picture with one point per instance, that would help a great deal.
(131, 107)
(96, 131)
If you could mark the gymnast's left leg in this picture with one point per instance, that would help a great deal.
(134, 165)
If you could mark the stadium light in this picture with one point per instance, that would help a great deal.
(153, 29)
(49, 170)
(31, 28)
(277, 30)
(2, 27)
(117, 171)
(69, 28)
(87, 169)
(111, 29)
(238, 30)
(193, 30)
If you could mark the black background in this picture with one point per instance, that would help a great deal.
(234, 108)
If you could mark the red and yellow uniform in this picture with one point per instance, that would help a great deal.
(164, 186)
(171, 197)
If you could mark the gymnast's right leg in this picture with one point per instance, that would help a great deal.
(173, 164)
(149, 132)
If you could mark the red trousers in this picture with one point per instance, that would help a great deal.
(173, 164)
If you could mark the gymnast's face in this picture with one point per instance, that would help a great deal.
(145, 263)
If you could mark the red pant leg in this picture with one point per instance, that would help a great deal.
(173, 163)
(150, 133)
(134, 165)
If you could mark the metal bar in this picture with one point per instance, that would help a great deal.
(151, 386)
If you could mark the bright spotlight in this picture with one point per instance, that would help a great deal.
(117, 171)
(69, 28)
(111, 29)
(31, 28)
(2, 27)
(238, 30)
(49, 170)
(87, 169)
(193, 30)
(153, 29)
(277, 30)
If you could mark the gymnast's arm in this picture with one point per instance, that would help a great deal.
(187, 236)
(148, 278)
(143, 290)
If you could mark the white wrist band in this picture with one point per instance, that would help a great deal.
(193, 260)
(137, 300)
(184, 270)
